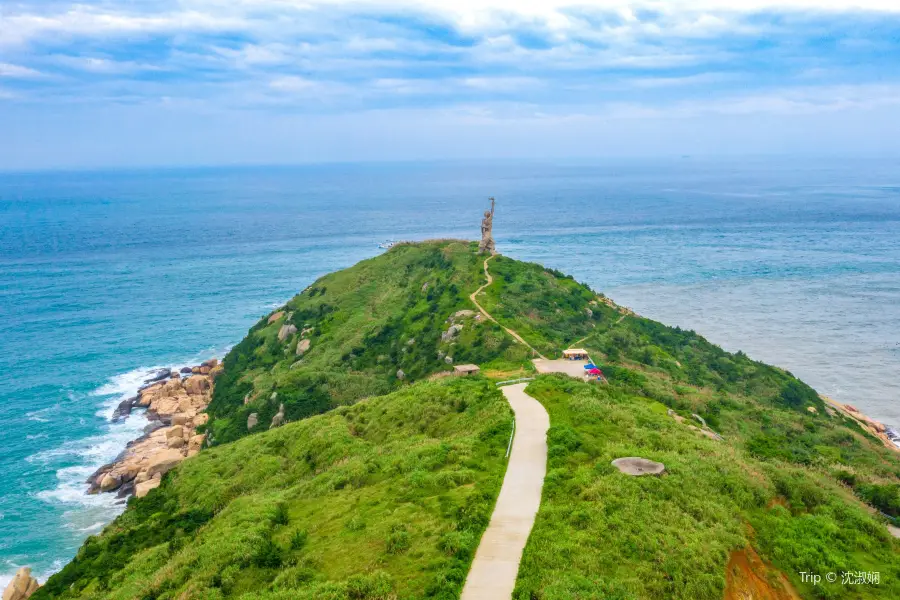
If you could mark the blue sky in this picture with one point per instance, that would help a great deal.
(182, 82)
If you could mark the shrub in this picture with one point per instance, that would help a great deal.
(797, 394)
(355, 523)
(398, 540)
(375, 586)
(299, 539)
(885, 498)
(281, 516)
(266, 554)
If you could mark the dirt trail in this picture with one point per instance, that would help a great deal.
(496, 565)
(487, 315)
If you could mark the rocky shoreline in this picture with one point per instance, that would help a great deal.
(174, 402)
(175, 407)
(888, 436)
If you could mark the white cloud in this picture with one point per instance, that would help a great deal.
(87, 21)
(783, 102)
(293, 84)
(252, 55)
(560, 18)
(17, 71)
(340, 54)
(686, 80)
(101, 65)
(501, 84)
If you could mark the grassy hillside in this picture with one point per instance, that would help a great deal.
(791, 477)
(384, 499)
(386, 495)
(768, 411)
(362, 326)
(601, 534)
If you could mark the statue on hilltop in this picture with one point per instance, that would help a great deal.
(487, 226)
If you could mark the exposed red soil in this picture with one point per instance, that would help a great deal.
(748, 577)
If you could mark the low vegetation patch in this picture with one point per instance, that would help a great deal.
(385, 499)
(386, 494)
(602, 534)
(360, 332)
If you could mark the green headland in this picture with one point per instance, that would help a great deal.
(343, 460)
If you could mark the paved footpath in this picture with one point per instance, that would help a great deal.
(496, 564)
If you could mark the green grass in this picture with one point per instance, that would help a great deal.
(761, 408)
(387, 493)
(384, 499)
(364, 324)
(548, 309)
(601, 534)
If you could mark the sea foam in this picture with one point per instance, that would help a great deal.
(75, 460)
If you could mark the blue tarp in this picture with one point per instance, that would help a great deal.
(590, 366)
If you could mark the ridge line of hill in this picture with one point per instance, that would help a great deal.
(488, 315)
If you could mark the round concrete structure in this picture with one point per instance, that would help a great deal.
(633, 465)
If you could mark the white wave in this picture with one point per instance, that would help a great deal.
(76, 460)
(121, 387)
(279, 304)
(126, 384)
(94, 451)
(207, 353)
(41, 415)
(93, 527)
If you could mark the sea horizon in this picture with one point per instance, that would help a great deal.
(108, 274)
(586, 160)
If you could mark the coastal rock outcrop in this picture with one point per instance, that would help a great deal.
(252, 420)
(143, 488)
(22, 586)
(110, 482)
(162, 462)
(887, 436)
(124, 408)
(195, 385)
(158, 376)
(174, 407)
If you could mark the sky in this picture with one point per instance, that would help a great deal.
(122, 83)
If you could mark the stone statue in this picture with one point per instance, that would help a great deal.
(487, 237)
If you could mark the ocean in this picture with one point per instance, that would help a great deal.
(107, 275)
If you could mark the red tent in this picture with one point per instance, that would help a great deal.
(595, 371)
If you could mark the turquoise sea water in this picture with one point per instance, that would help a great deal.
(105, 275)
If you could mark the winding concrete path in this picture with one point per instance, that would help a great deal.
(488, 315)
(496, 564)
